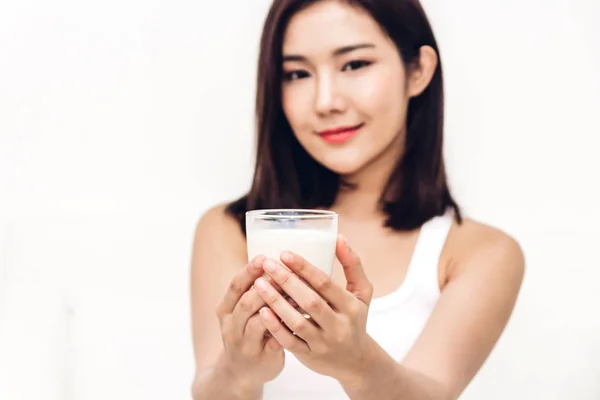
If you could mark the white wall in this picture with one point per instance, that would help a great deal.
(122, 121)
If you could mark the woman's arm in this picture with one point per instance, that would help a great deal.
(211, 271)
(470, 316)
(218, 383)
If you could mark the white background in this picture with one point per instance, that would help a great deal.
(122, 121)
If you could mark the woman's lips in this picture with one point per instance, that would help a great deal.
(339, 135)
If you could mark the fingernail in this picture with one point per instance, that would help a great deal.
(258, 262)
(270, 266)
(350, 249)
(260, 284)
(344, 240)
(287, 257)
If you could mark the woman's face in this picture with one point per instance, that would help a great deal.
(345, 91)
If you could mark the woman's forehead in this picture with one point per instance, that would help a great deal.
(329, 25)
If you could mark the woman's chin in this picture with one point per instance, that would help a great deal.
(343, 167)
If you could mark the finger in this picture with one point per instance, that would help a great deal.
(255, 334)
(272, 345)
(309, 300)
(272, 282)
(249, 304)
(281, 334)
(290, 317)
(240, 283)
(357, 281)
(322, 283)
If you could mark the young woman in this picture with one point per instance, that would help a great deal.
(350, 119)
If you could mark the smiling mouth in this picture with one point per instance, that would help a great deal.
(341, 134)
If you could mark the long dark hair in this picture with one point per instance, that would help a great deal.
(286, 176)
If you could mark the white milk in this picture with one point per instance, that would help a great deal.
(316, 246)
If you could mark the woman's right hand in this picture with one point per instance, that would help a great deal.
(250, 356)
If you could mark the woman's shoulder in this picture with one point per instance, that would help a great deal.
(218, 229)
(475, 245)
(470, 232)
(217, 215)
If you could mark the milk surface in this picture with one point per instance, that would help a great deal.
(316, 246)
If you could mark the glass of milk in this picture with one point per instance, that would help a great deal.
(309, 233)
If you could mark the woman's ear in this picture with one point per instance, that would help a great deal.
(422, 71)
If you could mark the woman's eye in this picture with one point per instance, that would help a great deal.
(352, 65)
(293, 75)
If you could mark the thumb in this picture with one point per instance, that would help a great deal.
(357, 282)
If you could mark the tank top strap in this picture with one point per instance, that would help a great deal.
(422, 275)
(426, 257)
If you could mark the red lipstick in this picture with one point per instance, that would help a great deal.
(339, 135)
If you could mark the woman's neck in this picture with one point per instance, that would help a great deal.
(362, 200)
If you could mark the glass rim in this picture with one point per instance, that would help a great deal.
(301, 213)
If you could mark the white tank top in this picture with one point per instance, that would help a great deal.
(395, 320)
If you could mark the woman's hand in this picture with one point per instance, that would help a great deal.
(339, 345)
(250, 357)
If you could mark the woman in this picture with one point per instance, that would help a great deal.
(350, 119)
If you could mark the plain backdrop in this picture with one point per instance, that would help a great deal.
(121, 122)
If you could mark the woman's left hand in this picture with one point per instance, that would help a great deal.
(339, 346)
